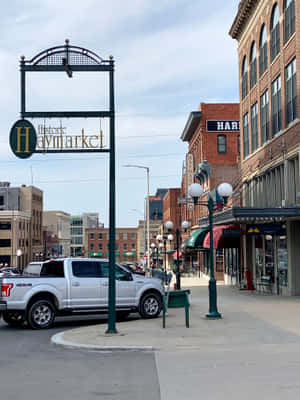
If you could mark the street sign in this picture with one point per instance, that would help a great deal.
(22, 138)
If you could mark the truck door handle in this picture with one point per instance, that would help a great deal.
(75, 284)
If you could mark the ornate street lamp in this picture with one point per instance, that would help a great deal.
(195, 191)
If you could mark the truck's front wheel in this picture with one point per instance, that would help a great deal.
(41, 314)
(150, 305)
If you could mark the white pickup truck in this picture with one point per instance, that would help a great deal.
(73, 286)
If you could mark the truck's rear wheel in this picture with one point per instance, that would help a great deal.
(41, 314)
(13, 318)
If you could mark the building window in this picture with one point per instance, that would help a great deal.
(117, 236)
(239, 144)
(245, 135)
(5, 225)
(133, 246)
(125, 246)
(263, 51)
(91, 236)
(244, 78)
(92, 247)
(222, 144)
(275, 32)
(133, 236)
(289, 19)
(264, 117)
(253, 65)
(254, 127)
(290, 92)
(117, 246)
(276, 106)
(125, 236)
(100, 247)
(100, 236)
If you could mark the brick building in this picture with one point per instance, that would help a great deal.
(97, 243)
(268, 36)
(213, 136)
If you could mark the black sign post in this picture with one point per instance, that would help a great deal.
(72, 59)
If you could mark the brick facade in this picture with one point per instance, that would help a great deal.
(126, 243)
(203, 146)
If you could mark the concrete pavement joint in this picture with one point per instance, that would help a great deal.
(58, 340)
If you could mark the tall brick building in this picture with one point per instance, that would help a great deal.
(268, 35)
(213, 136)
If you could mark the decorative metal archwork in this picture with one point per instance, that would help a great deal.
(74, 55)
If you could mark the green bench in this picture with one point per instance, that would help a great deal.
(176, 299)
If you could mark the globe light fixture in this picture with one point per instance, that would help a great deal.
(195, 191)
(159, 237)
(169, 225)
(170, 237)
(225, 190)
(185, 225)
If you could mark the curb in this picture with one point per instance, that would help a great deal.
(58, 340)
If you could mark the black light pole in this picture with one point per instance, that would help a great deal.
(195, 191)
(177, 260)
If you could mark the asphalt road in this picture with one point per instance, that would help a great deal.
(32, 368)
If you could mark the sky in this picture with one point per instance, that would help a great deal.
(170, 55)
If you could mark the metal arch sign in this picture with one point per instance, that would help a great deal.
(22, 138)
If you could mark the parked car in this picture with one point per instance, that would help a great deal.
(9, 272)
(73, 286)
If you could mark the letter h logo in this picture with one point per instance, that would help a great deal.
(23, 133)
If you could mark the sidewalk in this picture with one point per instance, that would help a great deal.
(257, 338)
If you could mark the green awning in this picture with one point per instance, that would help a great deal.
(196, 238)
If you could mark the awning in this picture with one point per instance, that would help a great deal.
(196, 238)
(219, 240)
(175, 254)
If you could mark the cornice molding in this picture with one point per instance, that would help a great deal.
(246, 8)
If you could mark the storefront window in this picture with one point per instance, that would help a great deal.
(259, 257)
(269, 249)
(282, 261)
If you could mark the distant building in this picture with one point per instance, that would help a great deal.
(156, 205)
(58, 223)
(97, 243)
(21, 211)
(79, 224)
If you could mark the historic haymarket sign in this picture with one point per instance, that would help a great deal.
(223, 126)
(51, 137)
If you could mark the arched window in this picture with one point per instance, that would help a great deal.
(263, 51)
(222, 144)
(253, 68)
(289, 18)
(244, 78)
(275, 32)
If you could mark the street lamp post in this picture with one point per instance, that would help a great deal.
(147, 210)
(163, 239)
(169, 225)
(195, 191)
(18, 254)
